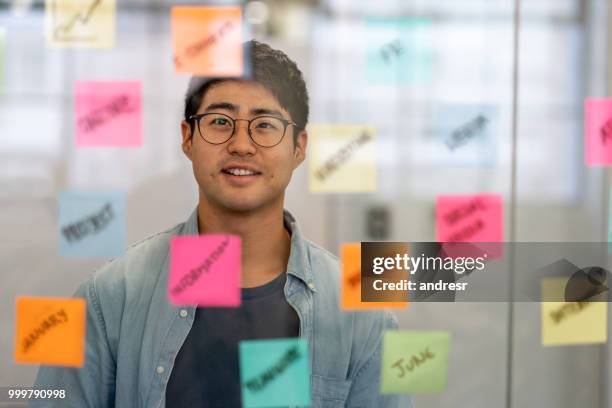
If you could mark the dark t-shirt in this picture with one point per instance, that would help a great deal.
(206, 370)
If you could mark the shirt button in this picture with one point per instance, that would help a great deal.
(311, 285)
(160, 369)
(183, 313)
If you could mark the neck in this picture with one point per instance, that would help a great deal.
(265, 241)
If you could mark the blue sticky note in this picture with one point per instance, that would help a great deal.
(91, 224)
(274, 373)
(464, 134)
(398, 50)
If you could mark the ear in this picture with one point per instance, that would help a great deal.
(299, 149)
(187, 143)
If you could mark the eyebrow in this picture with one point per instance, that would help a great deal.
(222, 105)
(235, 108)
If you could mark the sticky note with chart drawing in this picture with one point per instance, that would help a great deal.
(398, 50)
(80, 23)
(50, 331)
(207, 41)
(414, 362)
(351, 282)
(471, 218)
(343, 159)
(205, 270)
(108, 113)
(274, 373)
(566, 323)
(91, 223)
(598, 131)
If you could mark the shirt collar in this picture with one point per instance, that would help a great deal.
(298, 264)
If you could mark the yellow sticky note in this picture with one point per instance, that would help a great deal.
(80, 23)
(565, 323)
(207, 40)
(351, 282)
(342, 159)
(50, 331)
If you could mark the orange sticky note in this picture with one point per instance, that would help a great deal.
(50, 331)
(351, 282)
(207, 41)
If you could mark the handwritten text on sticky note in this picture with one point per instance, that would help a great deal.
(275, 373)
(342, 159)
(205, 270)
(469, 218)
(108, 114)
(414, 362)
(50, 331)
(207, 40)
(398, 50)
(80, 23)
(351, 282)
(565, 323)
(91, 223)
(598, 131)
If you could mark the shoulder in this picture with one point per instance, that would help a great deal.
(137, 270)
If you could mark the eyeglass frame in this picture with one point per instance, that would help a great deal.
(196, 118)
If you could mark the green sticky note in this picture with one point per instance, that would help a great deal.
(414, 362)
(398, 50)
(274, 373)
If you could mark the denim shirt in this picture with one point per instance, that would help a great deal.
(134, 333)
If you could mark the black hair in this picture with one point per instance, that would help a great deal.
(269, 67)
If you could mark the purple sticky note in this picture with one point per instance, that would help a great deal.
(205, 270)
(108, 113)
(598, 131)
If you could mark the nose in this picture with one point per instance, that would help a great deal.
(241, 143)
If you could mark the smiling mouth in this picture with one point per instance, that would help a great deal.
(236, 171)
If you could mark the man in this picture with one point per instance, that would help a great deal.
(244, 137)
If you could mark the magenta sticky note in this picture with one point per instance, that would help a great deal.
(598, 131)
(205, 270)
(469, 218)
(108, 113)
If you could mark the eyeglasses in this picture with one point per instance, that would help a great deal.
(264, 131)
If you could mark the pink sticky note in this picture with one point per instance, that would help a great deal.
(598, 131)
(204, 270)
(469, 218)
(108, 113)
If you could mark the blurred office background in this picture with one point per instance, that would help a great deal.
(564, 55)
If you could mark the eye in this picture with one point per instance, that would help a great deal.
(267, 124)
(219, 121)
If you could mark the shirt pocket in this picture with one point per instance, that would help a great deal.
(329, 392)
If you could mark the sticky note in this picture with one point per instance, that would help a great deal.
(207, 41)
(414, 362)
(274, 373)
(343, 159)
(398, 50)
(50, 331)
(565, 323)
(80, 23)
(91, 223)
(351, 282)
(464, 134)
(469, 218)
(108, 113)
(205, 270)
(598, 131)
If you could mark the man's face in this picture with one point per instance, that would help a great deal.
(273, 166)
